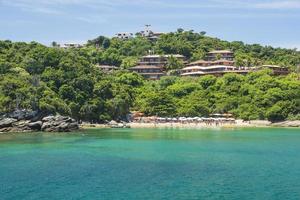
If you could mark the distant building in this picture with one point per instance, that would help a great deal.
(220, 62)
(211, 63)
(147, 33)
(124, 36)
(148, 71)
(151, 36)
(217, 63)
(216, 70)
(107, 68)
(71, 45)
(277, 70)
(220, 70)
(158, 60)
(220, 55)
(153, 66)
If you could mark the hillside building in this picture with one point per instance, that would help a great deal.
(220, 62)
(124, 36)
(216, 70)
(211, 63)
(149, 71)
(149, 34)
(153, 66)
(107, 68)
(220, 55)
(71, 45)
(277, 70)
(158, 60)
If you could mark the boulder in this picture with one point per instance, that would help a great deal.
(49, 124)
(59, 124)
(23, 114)
(7, 122)
(35, 125)
(6, 129)
(21, 124)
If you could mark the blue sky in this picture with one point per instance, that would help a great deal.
(268, 22)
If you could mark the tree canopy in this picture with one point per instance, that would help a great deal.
(66, 81)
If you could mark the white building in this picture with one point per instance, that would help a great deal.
(71, 45)
(216, 70)
(124, 36)
(151, 35)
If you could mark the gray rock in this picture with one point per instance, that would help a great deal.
(45, 126)
(112, 123)
(21, 124)
(35, 125)
(59, 124)
(6, 129)
(23, 114)
(48, 119)
(7, 122)
(49, 124)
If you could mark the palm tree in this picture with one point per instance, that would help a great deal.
(298, 71)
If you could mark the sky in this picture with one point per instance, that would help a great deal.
(267, 22)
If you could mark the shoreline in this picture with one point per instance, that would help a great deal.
(237, 124)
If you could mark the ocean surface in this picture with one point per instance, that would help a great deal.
(152, 164)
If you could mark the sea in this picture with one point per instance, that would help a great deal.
(233, 164)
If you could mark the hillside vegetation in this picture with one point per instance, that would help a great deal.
(55, 80)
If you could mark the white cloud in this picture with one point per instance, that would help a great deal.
(51, 6)
(279, 5)
(98, 10)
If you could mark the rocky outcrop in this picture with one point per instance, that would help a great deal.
(29, 122)
(59, 124)
(35, 125)
(114, 124)
(23, 114)
(7, 122)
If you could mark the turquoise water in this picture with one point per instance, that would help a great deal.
(152, 164)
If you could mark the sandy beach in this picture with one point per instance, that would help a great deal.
(237, 124)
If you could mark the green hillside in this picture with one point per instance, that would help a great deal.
(66, 81)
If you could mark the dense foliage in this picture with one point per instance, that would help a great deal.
(255, 96)
(66, 81)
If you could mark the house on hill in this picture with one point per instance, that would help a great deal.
(124, 36)
(153, 66)
(107, 68)
(211, 63)
(149, 34)
(216, 70)
(159, 60)
(277, 70)
(216, 63)
(220, 55)
(71, 45)
(149, 71)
